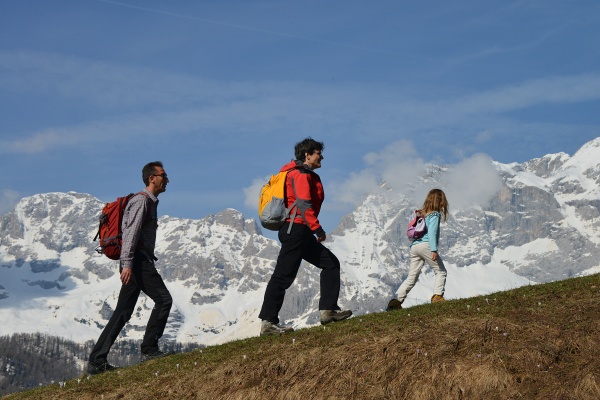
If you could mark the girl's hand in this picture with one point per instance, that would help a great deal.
(434, 255)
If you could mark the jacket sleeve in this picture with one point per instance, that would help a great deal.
(303, 185)
(433, 230)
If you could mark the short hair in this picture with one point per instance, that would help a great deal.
(149, 170)
(308, 145)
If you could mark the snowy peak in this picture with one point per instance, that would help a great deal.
(540, 226)
(48, 262)
(547, 166)
(587, 156)
(234, 220)
(42, 216)
(569, 179)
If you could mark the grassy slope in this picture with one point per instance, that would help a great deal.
(536, 342)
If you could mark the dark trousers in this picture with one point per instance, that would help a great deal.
(300, 244)
(146, 279)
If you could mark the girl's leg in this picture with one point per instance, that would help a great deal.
(416, 263)
(439, 270)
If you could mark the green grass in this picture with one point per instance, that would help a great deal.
(534, 342)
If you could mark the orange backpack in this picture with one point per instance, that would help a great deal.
(272, 211)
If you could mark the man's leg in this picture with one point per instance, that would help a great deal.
(322, 258)
(153, 285)
(288, 262)
(125, 305)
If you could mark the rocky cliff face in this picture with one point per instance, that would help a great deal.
(541, 225)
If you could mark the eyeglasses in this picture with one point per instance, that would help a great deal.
(163, 175)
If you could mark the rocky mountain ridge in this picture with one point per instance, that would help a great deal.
(541, 225)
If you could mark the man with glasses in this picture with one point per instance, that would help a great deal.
(138, 273)
(303, 242)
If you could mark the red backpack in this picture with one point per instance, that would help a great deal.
(109, 231)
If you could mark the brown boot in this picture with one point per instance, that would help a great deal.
(437, 298)
(394, 304)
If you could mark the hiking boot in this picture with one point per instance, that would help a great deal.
(153, 355)
(328, 316)
(437, 298)
(269, 328)
(394, 304)
(95, 369)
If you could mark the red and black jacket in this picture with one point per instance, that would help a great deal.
(306, 184)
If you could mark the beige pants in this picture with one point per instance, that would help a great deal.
(419, 254)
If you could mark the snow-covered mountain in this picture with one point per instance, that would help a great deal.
(542, 225)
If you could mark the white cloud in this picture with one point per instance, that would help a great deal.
(398, 164)
(152, 102)
(472, 182)
(109, 85)
(484, 136)
(352, 190)
(252, 192)
(557, 89)
(36, 143)
(8, 199)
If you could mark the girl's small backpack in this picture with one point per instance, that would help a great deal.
(416, 227)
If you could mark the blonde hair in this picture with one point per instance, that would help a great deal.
(435, 201)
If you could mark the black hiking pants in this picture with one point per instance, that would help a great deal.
(145, 279)
(300, 244)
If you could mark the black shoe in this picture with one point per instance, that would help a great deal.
(154, 355)
(95, 369)
(394, 304)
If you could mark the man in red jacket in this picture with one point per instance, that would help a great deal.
(303, 242)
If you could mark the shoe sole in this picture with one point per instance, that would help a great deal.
(99, 372)
(271, 333)
(144, 359)
(275, 333)
(334, 319)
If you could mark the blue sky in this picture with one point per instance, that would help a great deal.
(220, 91)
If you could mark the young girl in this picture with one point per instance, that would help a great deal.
(425, 250)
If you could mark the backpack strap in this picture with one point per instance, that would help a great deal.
(294, 204)
(288, 210)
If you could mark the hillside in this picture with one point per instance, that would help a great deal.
(511, 225)
(533, 342)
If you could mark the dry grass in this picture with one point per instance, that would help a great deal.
(537, 342)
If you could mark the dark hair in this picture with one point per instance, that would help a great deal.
(308, 145)
(149, 170)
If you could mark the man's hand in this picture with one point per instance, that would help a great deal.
(126, 275)
(321, 237)
(434, 255)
